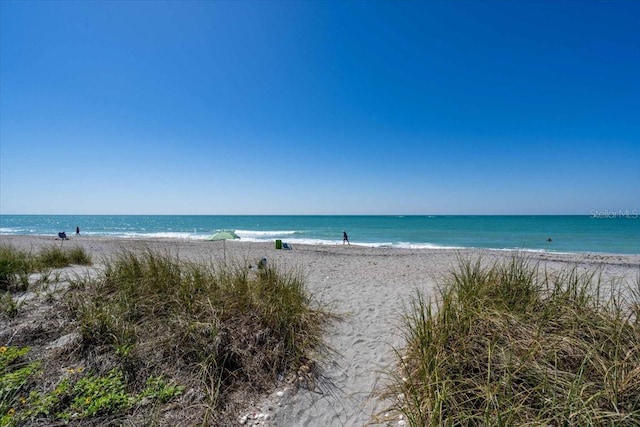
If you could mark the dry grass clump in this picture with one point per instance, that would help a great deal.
(223, 332)
(509, 345)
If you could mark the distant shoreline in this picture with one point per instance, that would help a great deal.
(355, 248)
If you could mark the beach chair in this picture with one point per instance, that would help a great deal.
(62, 235)
(286, 246)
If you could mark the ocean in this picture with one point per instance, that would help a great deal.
(599, 232)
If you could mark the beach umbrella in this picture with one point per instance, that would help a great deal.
(224, 235)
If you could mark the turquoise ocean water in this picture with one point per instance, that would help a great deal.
(604, 232)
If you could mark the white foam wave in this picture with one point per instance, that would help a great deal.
(269, 236)
(159, 235)
(312, 241)
(9, 230)
(256, 234)
(408, 245)
(398, 245)
(536, 251)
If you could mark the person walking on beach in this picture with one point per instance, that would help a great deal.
(77, 231)
(345, 238)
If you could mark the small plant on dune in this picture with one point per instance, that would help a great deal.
(156, 387)
(95, 394)
(508, 345)
(8, 305)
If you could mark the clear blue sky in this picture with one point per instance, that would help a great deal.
(319, 107)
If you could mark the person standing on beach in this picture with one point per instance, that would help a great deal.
(77, 231)
(345, 238)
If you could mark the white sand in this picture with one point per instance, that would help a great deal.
(370, 286)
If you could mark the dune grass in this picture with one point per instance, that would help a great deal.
(224, 331)
(16, 264)
(508, 345)
(161, 342)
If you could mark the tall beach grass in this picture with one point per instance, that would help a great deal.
(149, 339)
(223, 330)
(509, 344)
(17, 264)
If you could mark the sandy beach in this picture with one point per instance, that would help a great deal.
(368, 287)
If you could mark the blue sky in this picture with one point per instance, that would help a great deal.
(319, 107)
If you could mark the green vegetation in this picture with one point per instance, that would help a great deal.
(508, 345)
(56, 257)
(15, 375)
(75, 396)
(16, 265)
(227, 326)
(152, 326)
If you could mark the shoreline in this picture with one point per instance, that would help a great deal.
(368, 286)
(323, 244)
